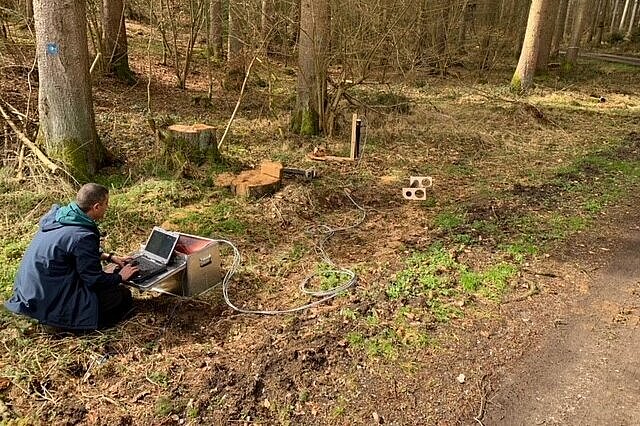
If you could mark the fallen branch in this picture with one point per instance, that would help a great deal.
(15, 111)
(32, 146)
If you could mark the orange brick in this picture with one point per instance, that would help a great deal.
(271, 168)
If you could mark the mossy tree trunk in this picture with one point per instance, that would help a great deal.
(308, 117)
(523, 76)
(67, 123)
(114, 36)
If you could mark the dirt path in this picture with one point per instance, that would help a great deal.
(586, 370)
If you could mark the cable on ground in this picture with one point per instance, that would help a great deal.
(304, 285)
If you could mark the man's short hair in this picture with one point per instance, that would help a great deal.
(90, 194)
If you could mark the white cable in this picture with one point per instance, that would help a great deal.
(324, 294)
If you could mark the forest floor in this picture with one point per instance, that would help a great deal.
(515, 277)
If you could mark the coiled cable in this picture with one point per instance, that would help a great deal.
(304, 285)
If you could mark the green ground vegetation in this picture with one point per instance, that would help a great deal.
(514, 178)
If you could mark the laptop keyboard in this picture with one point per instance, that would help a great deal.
(146, 269)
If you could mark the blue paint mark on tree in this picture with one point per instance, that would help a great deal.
(53, 49)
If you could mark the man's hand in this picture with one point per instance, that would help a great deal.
(128, 271)
(120, 260)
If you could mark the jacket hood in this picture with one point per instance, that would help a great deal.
(66, 215)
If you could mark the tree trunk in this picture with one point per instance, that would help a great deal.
(592, 20)
(625, 12)
(576, 34)
(235, 51)
(266, 23)
(26, 7)
(67, 123)
(290, 40)
(505, 5)
(602, 16)
(614, 16)
(558, 34)
(546, 36)
(3, 30)
(569, 18)
(441, 36)
(215, 29)
(234, 47)
(466, 19)
(491, 12)
(114, 36)
(308, 117)
(195, 143)
(633, 19)
(523, 76)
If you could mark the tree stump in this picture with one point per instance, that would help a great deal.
(197, 143)
(254, 183)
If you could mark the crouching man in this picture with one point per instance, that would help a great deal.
(60, 281)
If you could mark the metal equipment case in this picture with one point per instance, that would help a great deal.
(194, 269)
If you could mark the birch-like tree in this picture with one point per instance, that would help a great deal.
(632, 20)
(623, 18)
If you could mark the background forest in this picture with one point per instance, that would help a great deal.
(525, 113)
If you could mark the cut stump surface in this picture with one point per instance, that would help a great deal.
(254, 183)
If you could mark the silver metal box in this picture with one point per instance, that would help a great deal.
(194, 269)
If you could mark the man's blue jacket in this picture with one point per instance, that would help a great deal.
(60, 272)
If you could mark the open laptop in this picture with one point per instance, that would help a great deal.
(156, 254)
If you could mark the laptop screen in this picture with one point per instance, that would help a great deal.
(161, 243)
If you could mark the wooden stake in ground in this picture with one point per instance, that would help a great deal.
(197, 143)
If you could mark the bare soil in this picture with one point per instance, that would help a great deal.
(584, 370)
